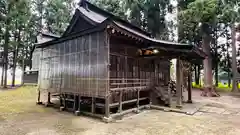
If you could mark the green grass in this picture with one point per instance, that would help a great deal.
(221, 87)
(20, 100)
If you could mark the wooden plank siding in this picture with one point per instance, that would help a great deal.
(76, 66)
(130, 73)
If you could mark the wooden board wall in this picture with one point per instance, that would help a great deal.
(76, 66)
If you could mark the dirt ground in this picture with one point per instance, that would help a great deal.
(19, 115)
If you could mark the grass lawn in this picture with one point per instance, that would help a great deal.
(19, 100)
(221, 87)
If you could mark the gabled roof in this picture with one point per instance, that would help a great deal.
(96, 16)
(89, 18)
(45, 37)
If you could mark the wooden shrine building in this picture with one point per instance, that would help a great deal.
(105, 66)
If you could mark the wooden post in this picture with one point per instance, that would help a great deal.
(38, 99)
(178, 84)
(189, 87)
(74, 103)
(93, 105)
(107, 108)
(169, 96)
(65, 102)
(120, 101)
(49, 98)
(61, 101)
(79, 104)
(77, 112)
(138, 96)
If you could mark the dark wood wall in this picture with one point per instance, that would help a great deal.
(126, 64)
(129, 72)
(76, 66)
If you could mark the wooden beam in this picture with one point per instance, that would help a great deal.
(127, 102)
(129, 111)
(126, 88)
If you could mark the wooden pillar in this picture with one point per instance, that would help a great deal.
(189, 87)
(79, 104)
(65, 101)
(77, 112)
(120, 101)
(178, 84)
(49, 98)
(93, 105)
(138, 96)
(74, 103)
(169, 96)
(61, 100)
(39, 96)
(107, 108)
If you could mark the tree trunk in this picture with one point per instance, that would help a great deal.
(198, 75)
(6, 38)
(207, 63)
(216, 73)
(195, 73)
(234, 59)
(209, 90)
(30, 61)
(229, 79)
(228, 60)
(23, 66)
(14, 66)
(2, 75)
(15, 54)
(216, 62)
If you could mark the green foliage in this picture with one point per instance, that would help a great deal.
(22, 20)
(113, 6)
(146, 14)
(198, 18)
(57, 15)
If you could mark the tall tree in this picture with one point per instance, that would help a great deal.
(20, 17)
(57, 15)
(202, 14)
(115, 7)
(7, 7)
(231, 15)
